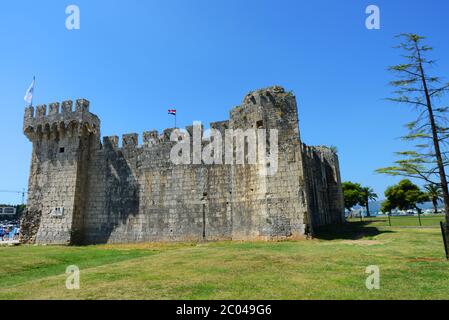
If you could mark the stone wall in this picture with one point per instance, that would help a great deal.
(324, 183)
(134, 193)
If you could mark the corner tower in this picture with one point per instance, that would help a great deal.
(270, 206)
(62, 140)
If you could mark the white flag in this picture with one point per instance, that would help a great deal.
(29, 94)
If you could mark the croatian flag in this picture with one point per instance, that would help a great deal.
(29, 94)
(172, 112)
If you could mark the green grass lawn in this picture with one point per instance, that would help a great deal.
(403, 221)
(411, 263)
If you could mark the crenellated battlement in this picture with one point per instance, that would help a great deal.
(59, 118)
(264, 108)
(154, 138)
(82, 105)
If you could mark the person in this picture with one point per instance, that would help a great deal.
(6, 234)
(12, 232)
(2, 233)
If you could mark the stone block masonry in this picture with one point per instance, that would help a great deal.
(84, 190)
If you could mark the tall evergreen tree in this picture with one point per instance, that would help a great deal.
(415, 86)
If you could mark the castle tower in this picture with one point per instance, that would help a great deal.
(274, 205)
(62, 140)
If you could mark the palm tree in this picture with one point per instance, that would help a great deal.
(435, 193)
(368, 195)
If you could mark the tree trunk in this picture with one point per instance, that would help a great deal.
(445, 235)
(435, 206)
(436, 143)
(367, 209)
(419, 215)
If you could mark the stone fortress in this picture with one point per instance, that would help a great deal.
(84, 191)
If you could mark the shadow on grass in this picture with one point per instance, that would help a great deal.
(348, 231)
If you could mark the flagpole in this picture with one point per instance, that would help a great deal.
(34, 86)
(172, 112)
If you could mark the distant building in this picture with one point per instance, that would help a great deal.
(7, 211)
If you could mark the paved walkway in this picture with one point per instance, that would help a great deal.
(10, 243)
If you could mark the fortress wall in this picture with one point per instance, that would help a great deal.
(324, 183)
(248, 188)
(138, 195)
(335, 190)
(287, 207)
(134, 193)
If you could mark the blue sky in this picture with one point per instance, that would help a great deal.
(135, 59)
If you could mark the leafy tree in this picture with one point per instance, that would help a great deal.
(386, 207)
(404, 196)
(352, 193)
(435, 194)
(367, 196)
(429, 132)
(355, 194)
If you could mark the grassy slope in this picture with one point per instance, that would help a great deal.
(411, 262)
